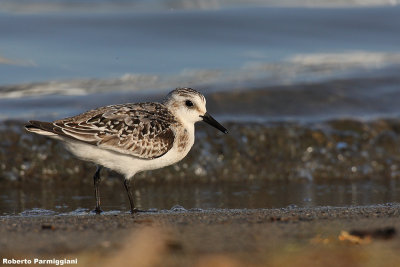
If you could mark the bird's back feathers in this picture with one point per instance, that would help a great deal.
(143, 130)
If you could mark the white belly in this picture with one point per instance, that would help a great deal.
(124, 164)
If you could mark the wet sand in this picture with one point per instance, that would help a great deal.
(259, 237)
(337, 149)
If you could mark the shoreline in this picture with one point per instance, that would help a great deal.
(238, 236)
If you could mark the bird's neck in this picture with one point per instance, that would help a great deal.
(189, 127)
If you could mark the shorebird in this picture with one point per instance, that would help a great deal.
(133, 137)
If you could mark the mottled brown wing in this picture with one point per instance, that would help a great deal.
(143, 130)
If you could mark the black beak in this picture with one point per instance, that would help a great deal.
(210, 120)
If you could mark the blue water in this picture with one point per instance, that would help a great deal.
(72, 45)
(61, 58)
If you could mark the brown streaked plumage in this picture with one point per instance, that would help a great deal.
(142, 130)
(186, 92)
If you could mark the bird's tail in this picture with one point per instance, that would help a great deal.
(41, 127)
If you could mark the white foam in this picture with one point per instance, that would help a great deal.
(297, 68)
(347, 59)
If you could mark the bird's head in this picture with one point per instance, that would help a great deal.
(190, 107)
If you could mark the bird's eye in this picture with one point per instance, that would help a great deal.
(189, 103)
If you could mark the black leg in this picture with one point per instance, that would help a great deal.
(96, 180)
(128, 190)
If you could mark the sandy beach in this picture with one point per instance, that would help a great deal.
(325, 236)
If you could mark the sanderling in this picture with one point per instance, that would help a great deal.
(134, 137)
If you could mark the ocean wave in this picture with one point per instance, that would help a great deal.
(298, 68)
(347, 60)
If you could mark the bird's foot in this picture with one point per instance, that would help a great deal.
(97, 210)
(135, 210)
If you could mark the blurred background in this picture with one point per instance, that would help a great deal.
(309, 91)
